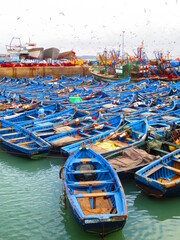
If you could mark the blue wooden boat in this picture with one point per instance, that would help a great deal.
(94, 192)
(100, 133)
(34, 114)
(121, 138)
(74, 133)
(130, 135)
(162, 177)
(21, 142)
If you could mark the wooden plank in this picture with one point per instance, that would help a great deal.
(177, 156)
(10, 134)
(87, 171)
(130, 139)
(20, 138)
(25, 143)
(6, 129)
(31, 117)
(87, 183)
(63, 129)
(85, 160)
(177, 171)
(90, 195)
(153, 170)
(66, 139)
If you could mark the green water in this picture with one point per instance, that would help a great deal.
(31, 206)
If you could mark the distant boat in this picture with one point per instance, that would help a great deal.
(100, 74)
(16, 49)
(95, 193)
(50, 53)
(34, 52)
(70, 55)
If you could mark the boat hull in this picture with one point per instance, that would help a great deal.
(96, 197)
(25, 154)
(35, 52)
(158, 192)
(161, 178)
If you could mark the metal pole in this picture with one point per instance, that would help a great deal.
(123, 44)
(105, 61)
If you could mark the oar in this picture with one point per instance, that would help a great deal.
(116, 132)
(177, 171)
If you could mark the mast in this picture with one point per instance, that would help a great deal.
(123, 44)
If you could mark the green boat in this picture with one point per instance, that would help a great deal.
(119, 72)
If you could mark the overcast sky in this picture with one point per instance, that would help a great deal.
(88, 27)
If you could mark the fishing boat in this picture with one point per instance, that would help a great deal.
(130, 135)
(125, 136)
(129, 161)
(100, 132)
(21, 142)
(34, 114)
(162, 177)
(94, 191)
(34, 52)
(99, 76)
(84, 129)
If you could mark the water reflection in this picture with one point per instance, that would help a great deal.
(160, 209)
(29, 165)
(73, 230)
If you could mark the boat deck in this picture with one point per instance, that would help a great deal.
(173, 179)
(90, 206)
(67, 139)
(107, 146)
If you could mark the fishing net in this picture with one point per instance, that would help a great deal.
(153, 144)
(86, 176)
(132, 157)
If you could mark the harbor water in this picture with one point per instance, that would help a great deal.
(32, 207)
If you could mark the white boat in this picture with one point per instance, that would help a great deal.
(34, 52)
(15, 48)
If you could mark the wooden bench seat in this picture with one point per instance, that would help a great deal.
(10, 134)
(6, 129)
(15, 139)
(92, 195)
(84, 160)
(87, 171)
(25, 143)
(89, 183)
(31, 117)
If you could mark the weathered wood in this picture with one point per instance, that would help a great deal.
(10, 134)
(153, 170)
(6, 129)
(87, 183)
(177, 171)
(90, 195)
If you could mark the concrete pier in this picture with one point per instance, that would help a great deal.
(56, 72)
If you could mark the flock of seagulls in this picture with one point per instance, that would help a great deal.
(96, 38)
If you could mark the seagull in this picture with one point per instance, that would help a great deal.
(18, 18)
(61, 13)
